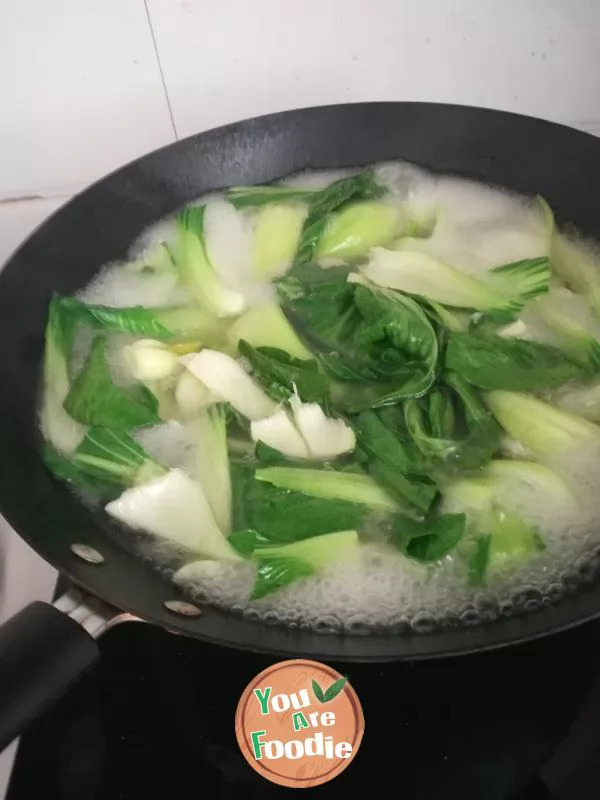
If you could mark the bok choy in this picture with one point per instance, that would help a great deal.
(58, 427)
(196, 270)
(388, 364)
(280, 566)
(94, 399)
(173, 507)
(503, 294)
(541, 427)
(103, 462)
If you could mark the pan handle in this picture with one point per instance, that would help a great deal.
(44, 650)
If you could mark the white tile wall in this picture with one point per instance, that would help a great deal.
(80, 92)
(228, 60)
(24, 576)
(87, 85)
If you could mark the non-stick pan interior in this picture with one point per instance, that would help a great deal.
(528, 155)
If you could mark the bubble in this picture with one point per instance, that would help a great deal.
(470, 617)
(328, 624)
(424, 623)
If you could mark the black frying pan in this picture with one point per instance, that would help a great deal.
(42, 650)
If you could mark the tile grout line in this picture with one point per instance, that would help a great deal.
(160, 69)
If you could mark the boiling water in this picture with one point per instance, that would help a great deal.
(480, 227)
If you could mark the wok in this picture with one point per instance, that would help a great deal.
(42, 650)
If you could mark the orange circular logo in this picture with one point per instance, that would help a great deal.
(299, 723)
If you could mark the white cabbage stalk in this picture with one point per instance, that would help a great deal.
(58, 427)
(280, 433)
(212, 464)
(310, 434)
(149, 360)
(324, 436)
(511, 448)
(175, 508)
(64, 433)
(514, 330)
(419, 274)
(544, 429)
(581, 400)
(265, 325)
(276, 236)
(191, 395)
(524, 487)
(518, 476)
(227, 378)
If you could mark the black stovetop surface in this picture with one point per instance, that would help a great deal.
(156, 720)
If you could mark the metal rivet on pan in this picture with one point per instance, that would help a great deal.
(182, 608)
(86, 553)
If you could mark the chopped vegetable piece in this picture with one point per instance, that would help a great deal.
(525, 279)
(282, 375)
(280, 566)
(266, 326)
(149, 360)
(394, 461)
(511, 538)
(95, 400)
(508, 541)
(212, 464)
(352, 232)
(225, 377)
(58, 427)
(283, 515)
(191, 395)
(455, 321)
(582, 400)
(495, 362)
(105, 460)
(326, 438)
(330, 484)
(196, 270)
(380, 342)
(276, 237)
(507, 482)
(169, 322)
(419, 274)
(479, 561)
(572, 323)
(542, 428)
(335, 196)
(457, 432)
(174, 507)
(279, 432)
(310, 434)
(431, 539)
(578, 267)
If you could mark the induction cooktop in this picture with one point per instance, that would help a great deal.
(155, 720)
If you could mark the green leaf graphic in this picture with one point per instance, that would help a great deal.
(334, 690)
(318, 692)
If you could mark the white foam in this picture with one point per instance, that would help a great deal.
(153, 237)
(172, 444)
(478, 227)
(117, 285)
(229, 243)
